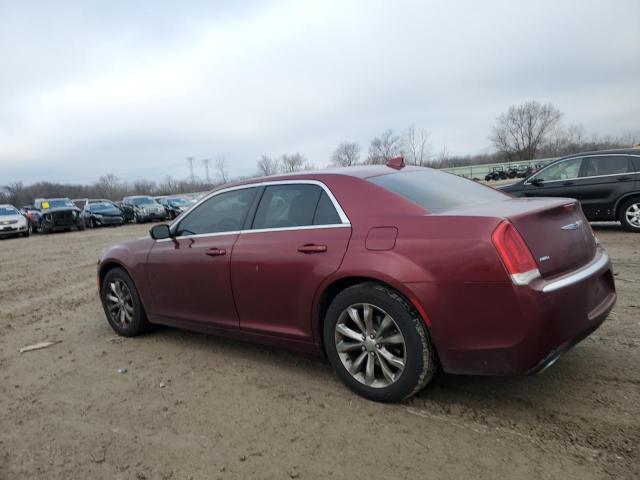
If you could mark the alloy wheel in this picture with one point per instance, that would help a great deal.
(370, 345)
(633, 214)
(120, 302)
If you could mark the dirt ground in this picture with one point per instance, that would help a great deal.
(233, 410)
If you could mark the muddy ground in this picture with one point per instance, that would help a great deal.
(234, 410)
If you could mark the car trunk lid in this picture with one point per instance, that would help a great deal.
(555, 230)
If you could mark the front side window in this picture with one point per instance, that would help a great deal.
(225, 212)
(565, 170)
(607, 165)
(285, 206)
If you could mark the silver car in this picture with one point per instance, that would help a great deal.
(12, 222)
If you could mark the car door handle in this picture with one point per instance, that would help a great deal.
(624, 179)
(216, 252)
(308, 249)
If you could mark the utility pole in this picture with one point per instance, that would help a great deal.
(206, 168)
(190, 162)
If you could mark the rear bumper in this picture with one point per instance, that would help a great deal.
(503, 329)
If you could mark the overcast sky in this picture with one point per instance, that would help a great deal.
(133, 88)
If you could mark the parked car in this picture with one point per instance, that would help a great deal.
(389, 272)
(99, 213)
(13, 222)
(174, 206)
(32, 214)
(127, 212)
(56, 214)
(145, 208)
(607, 184)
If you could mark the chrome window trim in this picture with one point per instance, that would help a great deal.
(343, 216)
(528, 180)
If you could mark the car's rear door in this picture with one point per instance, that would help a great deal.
(298, 237)
(189, 274)
(605, 179)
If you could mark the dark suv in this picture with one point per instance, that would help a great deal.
(57, 214)
(607, 184)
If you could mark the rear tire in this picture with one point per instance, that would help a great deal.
(402, 355)
(122, 305)
(629, 215)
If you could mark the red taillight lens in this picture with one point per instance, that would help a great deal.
(515, 254)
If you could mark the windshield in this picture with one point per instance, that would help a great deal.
(143, 201)
(179, 202)
(99, 206)
(6, 211)
(437, 191)
(57, 203)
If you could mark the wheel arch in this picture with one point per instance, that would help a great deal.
(332, 289)
(624, 198)
(107, 266)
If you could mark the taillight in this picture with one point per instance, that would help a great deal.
(514, 253)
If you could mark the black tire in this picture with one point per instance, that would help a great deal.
(138, 323)
(44, 228)
(81, 226)
(420, 356)
(622, 214)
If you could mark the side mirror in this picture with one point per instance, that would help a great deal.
(537, 182)
(160, 232)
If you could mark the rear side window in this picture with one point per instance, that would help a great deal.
(607, 165)
(285, 206)
(437, 191)
(225, 212)
(325, 212)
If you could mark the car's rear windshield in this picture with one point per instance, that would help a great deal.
(437, 191)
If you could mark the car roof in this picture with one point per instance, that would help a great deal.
(619, 151)
(360, 171)
(6, 205)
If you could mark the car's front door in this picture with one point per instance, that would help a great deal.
(605, 179)
(560, 179)
(189, 273)
(299, 237)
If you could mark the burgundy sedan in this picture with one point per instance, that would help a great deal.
(389, 271)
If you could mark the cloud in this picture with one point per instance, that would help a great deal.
(133, 89)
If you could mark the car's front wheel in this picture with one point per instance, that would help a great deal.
(377, 343)
(630, 215)
(122, 305)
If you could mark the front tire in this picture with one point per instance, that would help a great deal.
(630, 215)
(378, 344)
(122, 305)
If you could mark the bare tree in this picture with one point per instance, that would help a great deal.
(384, 147)
(346, 155)
(416, 146)
(524, 128)
(268, 166)
(220, 167)
(293, 163)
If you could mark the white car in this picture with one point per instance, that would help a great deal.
(12, 222)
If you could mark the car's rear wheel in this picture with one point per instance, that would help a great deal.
(630, 215)
(122, 305)
(377, 343)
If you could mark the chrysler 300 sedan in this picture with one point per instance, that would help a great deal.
(391, 272)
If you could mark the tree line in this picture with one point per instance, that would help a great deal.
(524, 132)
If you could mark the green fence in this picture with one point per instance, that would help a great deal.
(479, 171)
